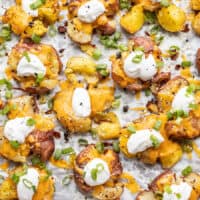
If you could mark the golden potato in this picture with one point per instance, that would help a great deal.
(17, 18)
(133, 20)
(195, 4)
(109, 126)
(148, 4)
(45, 189)
(48, 56)
(196, 24)
(171, 18)
(79, 32)
(111, 188)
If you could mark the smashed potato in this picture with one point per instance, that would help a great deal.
(49, 58)
(158, 186)
(133, 20)
(196, 24)
(45, 189)
(111, 189)
(195, 4)
(167, 156)
(171, 18)
(26, 25)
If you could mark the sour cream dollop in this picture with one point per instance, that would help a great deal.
(144, 70)
(81, 102)
(90, 11)
(142, 140)
(102, 173)
(178, 192)
(17, 129)
(182, 100)
(25, 190)
(26, 5)
(30, 65)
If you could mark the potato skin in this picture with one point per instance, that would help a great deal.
(49, 57)
(171, 18)
(133, 20)
(115, 167)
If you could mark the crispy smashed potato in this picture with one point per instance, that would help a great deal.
(171, 18)
(118, 74)
(45, 189)
(166, 179)
(196, 24)
(107, 191)
(133, 20)
(63, 106)
(48, 56)
(167, 156)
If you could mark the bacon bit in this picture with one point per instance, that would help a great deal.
(186, 28)
(62, 29)
(61, 50)
(177, 67)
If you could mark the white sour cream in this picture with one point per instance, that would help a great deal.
(26, 7)
(30, 66)
(102, 176)
(182, 100)
(17, 129)
(178, 192)
(141, 140)
(31, 178)
(144, 70)
(81, 102)
(90, 11)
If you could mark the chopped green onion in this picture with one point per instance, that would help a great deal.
(36, 39)
(101, 67)
(124, 4)
(57, 154)
(117, 36)
(158, 39)
(28, 184)
(147, 92)
(6, 82)
(50, 103)
(186, 145)
(52, 31)
(116, 146)
(96, 54)
(66, 180)
(190, 89)
(36, 161)
(104, 73)
(25, 54)
(159, 64)
(14, 144)
(93, 132)
(155, 29)
(100, 167)
(30, 122)
(167, 189)
(186, 63)
(82, 142)
(193, 106)
(8, 94)
(131, 129)
(150, 17)
(99, 147)
(122, 47)
(137, 58)
(173, 50)
(5, 110)
(116, 103)
(37, 4)
(165, 3)
(154, 141)
(178, 195)
(5, 32)
(68, 151)
(15, 178)
(39, 78)
(94, 172)
(118, 96)
(186, 171)
(157, 125)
